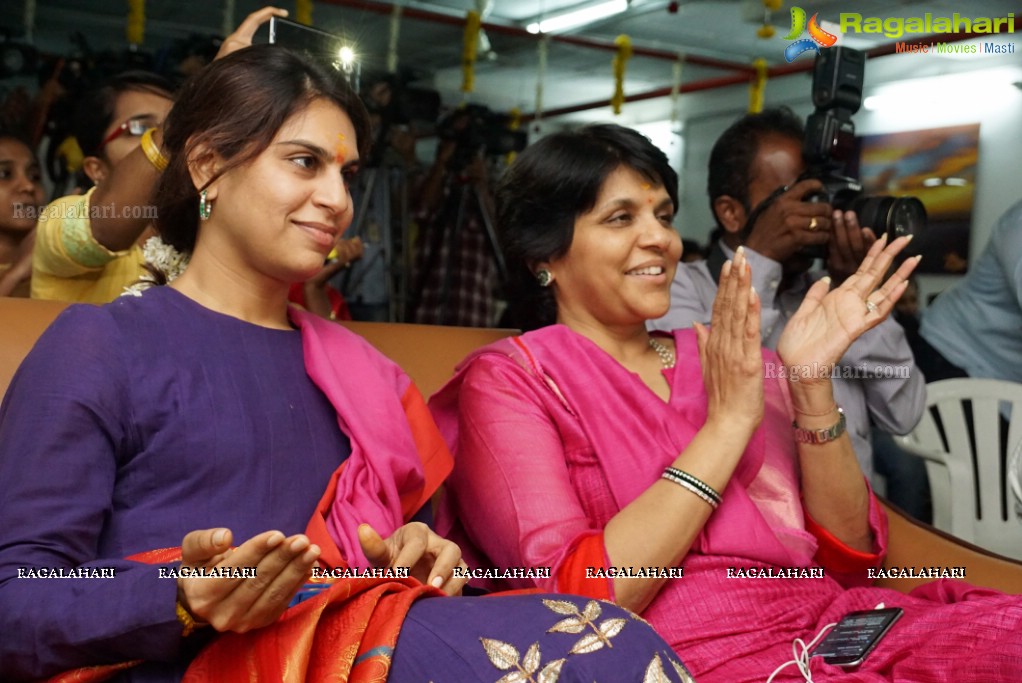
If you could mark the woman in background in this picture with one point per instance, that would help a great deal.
(21, 197)
(590, 446)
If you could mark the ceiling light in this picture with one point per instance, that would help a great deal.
(578, 17)
(988, 88)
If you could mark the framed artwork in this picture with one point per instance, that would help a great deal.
(938, 167)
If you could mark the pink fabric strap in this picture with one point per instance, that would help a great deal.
(391, 469)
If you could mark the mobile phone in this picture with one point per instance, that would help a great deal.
(855, 636)
(318, 44)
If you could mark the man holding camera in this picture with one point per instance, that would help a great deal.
(759, 158)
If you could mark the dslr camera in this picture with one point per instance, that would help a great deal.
(477, 129)
(829, 147)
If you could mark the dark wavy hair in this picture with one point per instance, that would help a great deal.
(95, 111)
(548, 187)
(235, 106)
(735, 150)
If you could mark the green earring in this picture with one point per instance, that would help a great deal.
(205, 207)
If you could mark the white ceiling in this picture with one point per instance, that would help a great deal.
(719, 30)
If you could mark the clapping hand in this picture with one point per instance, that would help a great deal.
(430, 558)
(828, 321)
(731, 351)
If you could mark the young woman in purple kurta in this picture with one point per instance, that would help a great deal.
(561, 437)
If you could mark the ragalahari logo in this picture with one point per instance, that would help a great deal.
(817, 36)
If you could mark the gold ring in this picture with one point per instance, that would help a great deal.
(813, 225)
(871, 307)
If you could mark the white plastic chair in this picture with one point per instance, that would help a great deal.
(1015, 478)
(962, 466)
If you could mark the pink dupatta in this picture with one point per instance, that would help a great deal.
(398, 458)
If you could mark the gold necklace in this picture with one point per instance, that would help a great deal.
(666, 355)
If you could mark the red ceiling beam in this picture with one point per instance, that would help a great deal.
(723, 82)
(425, 15)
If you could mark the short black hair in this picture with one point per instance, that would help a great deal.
(551, 184)
(735, 150)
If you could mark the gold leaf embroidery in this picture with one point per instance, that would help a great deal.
(561, 606)
(592, 610)
(569, 625)
(531, 661)
(682, 672)
(655, 672)
(514, 677)
(551, 672)
(588, 643)
(503, 655)
(611, 627)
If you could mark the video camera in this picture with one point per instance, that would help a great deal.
(829, 146)
(476, 128)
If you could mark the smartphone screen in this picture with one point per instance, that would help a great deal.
(319, 45)
(855, 635)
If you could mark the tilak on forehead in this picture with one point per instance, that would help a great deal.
(649, 198)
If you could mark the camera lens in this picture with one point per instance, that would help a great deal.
(896, 216)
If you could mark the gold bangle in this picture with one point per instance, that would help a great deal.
(188, 624)
(826, 412)
(156, 157)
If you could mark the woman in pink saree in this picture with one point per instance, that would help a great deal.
(715, 473)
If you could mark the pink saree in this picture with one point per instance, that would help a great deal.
(552, 437)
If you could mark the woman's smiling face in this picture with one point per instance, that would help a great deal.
(623, 255)
(282, 213)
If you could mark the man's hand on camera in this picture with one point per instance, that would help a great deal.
(790, 224)
(848, 245)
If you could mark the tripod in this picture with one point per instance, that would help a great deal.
(380, 277)
(452, 222)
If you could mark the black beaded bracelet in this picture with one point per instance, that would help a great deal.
(694, 484)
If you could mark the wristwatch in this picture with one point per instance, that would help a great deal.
(820, 436)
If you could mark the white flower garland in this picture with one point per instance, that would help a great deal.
(162, 257)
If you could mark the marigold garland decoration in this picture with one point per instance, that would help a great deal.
(135, 27)
(473, 24)
(303, 12)
(624, 53)
(767, 31)
(758, 86)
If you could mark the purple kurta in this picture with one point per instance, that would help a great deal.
(109, 449)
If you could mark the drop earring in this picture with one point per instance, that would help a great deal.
(544, 277)
(205, 207)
